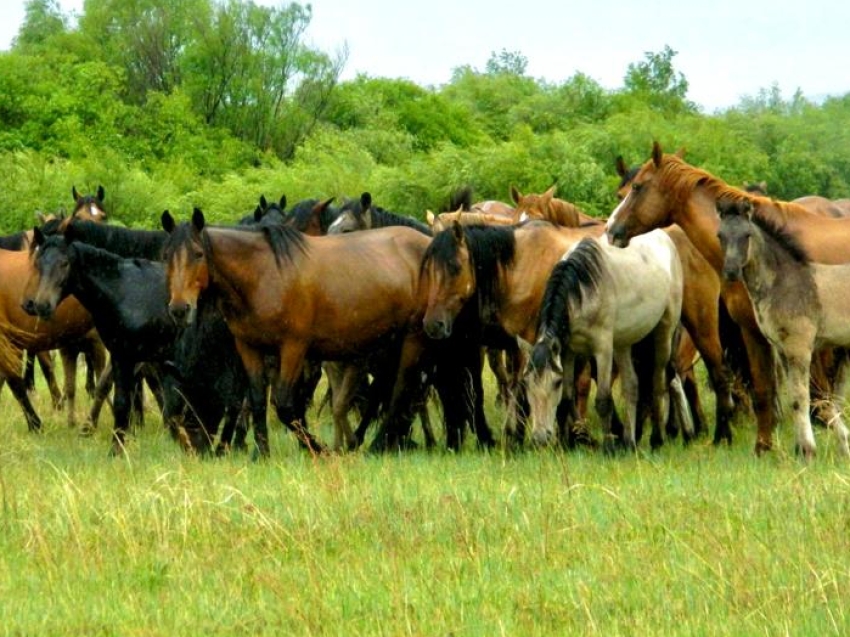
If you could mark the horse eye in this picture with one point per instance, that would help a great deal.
(636, 186)
(198, 254)
(558, 383)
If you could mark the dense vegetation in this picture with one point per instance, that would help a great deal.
(210, 103)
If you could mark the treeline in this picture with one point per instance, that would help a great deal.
(211, 103)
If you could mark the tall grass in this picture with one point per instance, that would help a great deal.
(696, 541)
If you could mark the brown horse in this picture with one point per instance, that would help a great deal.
(668, 190)
(329, 298)
(28, 333)
(444, 220)
(546, 206)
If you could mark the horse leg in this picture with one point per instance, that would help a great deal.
(124, 380)
(797, 362)
(663, 337)
(832, 412)
(473, 372)
(29, 370)
(254, 363)
(765, 403)
(19, 390)
(101, 395)
(566, 414)
(45, 362)
(604, 402)
(705, 337)
(499, 367)
(69, 367)
(343, 380)
(395, 425)
(291, 365)
(96, 361)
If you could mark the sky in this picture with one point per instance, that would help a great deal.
(726, 49)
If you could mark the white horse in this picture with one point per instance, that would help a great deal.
(599, 301)
(800, 307)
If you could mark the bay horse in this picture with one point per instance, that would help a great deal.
(595, 306)
(328, 298)
(799, 305)
(667, 190)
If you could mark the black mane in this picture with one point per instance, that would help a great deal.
(126, 242)
(490, 247)
(787, 241)
(572, 279)
(382, 218)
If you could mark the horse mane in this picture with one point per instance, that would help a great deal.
(126, 242)
(382, 218)
(490, 248)
(283, 240)
(680, 178)
(769, 226)
(573, 279)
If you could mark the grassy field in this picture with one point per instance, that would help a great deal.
(696, 541)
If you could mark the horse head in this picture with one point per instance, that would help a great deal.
(643, 207)
(353, 215)
(187, 269)
(735, 233)
(89, 207)
(51, 257)
(544, 379)
(448, 272)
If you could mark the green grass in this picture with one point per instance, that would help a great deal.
(700, 541)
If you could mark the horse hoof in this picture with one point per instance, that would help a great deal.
(86, 431)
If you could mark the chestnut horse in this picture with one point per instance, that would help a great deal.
(294, 295)
(546, 206)
(667, 190)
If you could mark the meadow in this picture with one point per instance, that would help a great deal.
(693, 541)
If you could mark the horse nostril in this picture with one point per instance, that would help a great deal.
(29, 307)
(178, 311)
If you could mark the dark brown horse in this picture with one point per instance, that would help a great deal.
(668, 190)
(296, 296)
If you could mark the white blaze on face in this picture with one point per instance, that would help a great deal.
(613, 218)
(523, 217)
(336, 223)
(94, 211)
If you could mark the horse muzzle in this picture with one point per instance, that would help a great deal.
(42, 310)
(181, 312)
(437, 328)
(732, 274)
(617, 237)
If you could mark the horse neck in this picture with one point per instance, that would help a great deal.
(93, 276)
(772, 274)
(697, 217)
(125, 242)
(227, 252)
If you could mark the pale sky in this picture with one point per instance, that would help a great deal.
(726, 48)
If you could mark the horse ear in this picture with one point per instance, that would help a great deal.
(100, 193)
(620, 164)
(551, 192)
(747, 207)
(198, 219)
(555, 356)
(167, 222)
(763, 186)
(365, 201)
(430, 218)
(657, 154)
(258, 214)
(324, 205)
(516, 195)
(74, 193)
(37, 236)
(263, 203)
(680, 153)
(282, 202)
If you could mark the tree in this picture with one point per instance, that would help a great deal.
(512, 62)
(655, 81)
(43, 20)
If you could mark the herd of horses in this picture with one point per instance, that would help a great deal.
(223, 321)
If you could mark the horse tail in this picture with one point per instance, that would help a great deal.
(11, 354)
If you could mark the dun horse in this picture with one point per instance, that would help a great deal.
(799, 305)
(595, 306)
